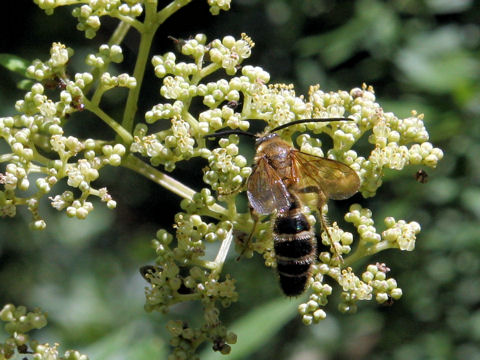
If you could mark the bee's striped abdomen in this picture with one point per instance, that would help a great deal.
(295, 250)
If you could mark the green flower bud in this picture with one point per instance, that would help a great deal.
(38, 225)
(307, 319)
(381, 298)
(175, 327)
(319, 315)
(396, 293)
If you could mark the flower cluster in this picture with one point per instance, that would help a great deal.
(105, 55)
(226, 157)
(181, 275)
(341, 241)
(185, 339)
(170, 278)
(373, 283)
(181, 83)
(229, 103)
(18, 323)
(90, 12)
(53, 67)
(277, 104)
(217, 5)
(400, 235)
(39, 130)
(385, 290)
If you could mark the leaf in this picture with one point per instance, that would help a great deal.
(25, 84)
(448, 6)
(256, 328)
(132, 341)
(436, 61)
(14, 63)
(373, 28)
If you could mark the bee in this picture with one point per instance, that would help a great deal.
(421, 176)
(283, 181)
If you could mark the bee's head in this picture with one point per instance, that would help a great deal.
(260, 139)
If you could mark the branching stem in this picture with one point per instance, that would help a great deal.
(169, 183)
(121, 131)
(363, 251)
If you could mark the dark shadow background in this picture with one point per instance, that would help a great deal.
(421, 55)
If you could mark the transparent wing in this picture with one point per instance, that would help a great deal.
(266, 191)
(334, 179)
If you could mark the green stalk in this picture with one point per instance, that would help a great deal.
(119, 33)
(116, 39)
(152, 21)
(169, 183)
(139, 72)
(6, 157)
(126, 137)
(222, 254)
(364, 251)
(170, 9)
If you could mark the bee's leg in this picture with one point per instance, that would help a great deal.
(323, 222)
(234, 191)
(321, 200)
(255, 218)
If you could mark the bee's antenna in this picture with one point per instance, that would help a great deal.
(303, 121)
(230, 132)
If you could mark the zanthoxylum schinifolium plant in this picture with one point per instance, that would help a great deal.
(40, 148)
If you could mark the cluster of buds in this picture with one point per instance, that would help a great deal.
(400, 235)
(217, 5)
(18, 323)
(373, 283)
(396, 143)
(39, 129)
(90, 13)
(186, 339)
(181, 83)
(227, 170)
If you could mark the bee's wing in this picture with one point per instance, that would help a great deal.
(334, 179)
(266, 190)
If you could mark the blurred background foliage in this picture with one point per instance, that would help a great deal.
(418, 54)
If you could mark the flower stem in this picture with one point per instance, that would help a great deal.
(6, 157)
(152, 21)
(364, 250)
(170, 9)
(124, 134)
(169, 183)
(133, 95)
(222, 253)
(119, 33)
